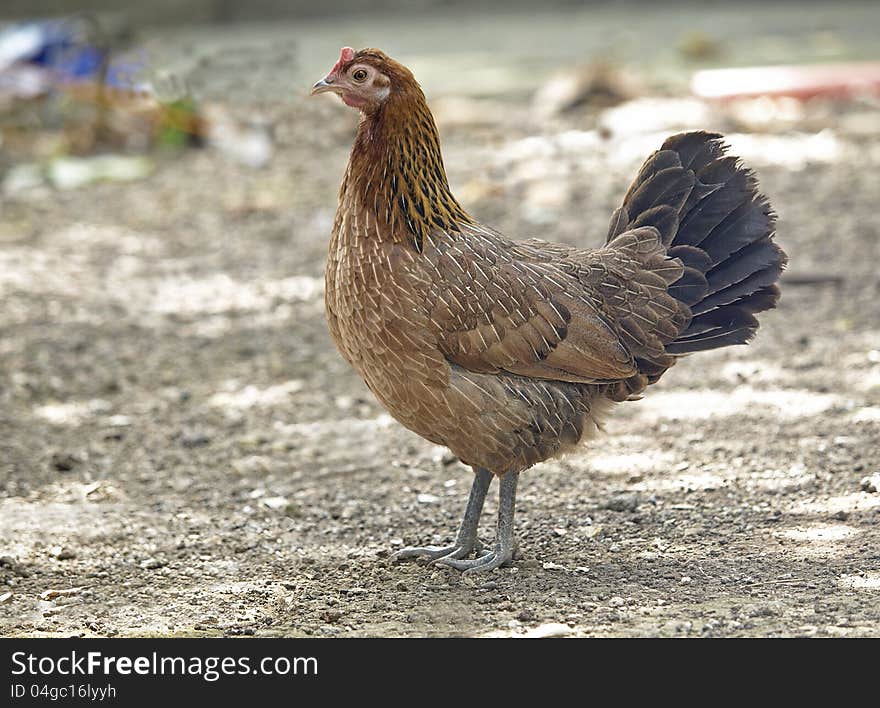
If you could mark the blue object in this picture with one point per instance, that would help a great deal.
(59, 46)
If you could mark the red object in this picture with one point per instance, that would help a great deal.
(803, 82)
(345, 56)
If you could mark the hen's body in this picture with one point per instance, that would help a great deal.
(510, 352)
(383, 306)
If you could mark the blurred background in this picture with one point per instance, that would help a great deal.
(182, 449)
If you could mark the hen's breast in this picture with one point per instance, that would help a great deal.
(375, 302)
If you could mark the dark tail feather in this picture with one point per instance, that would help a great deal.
(712, 217)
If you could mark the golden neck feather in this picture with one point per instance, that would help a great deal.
(396, 170)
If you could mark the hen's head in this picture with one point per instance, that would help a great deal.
(365, 79)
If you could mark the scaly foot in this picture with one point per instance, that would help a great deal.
(482, 564)
(504, 540)
(434, 553)
(466, 542)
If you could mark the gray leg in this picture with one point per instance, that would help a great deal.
(504, 540)
(466, 541)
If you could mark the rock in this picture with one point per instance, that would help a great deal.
(448, 459)
(252, 464)
(194, 439)
(152, 564)
(770, 609)
(553, 566)
(623, 502)
(344, 402)
(276, 502)
(871, 483)
(63, 461)
(331, 616)
(207, 624)
(546, 631)
(12, 564)
(54, 594)
(62, 553)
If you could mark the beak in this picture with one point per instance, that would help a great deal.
(323, 86)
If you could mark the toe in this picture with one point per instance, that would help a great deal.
(429, 552)
(453, 563)
(487, 562)
(467, 564)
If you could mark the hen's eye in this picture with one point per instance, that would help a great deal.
(359, 75)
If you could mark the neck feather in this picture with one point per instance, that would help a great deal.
(396, 171)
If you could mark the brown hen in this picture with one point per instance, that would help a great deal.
(507, 352)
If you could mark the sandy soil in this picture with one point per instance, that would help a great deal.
(183, 452)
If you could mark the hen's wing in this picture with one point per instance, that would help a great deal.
(550, 311)
(632, 282)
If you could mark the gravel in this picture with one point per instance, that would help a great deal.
(160, 366)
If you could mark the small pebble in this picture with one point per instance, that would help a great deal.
(62, 553)
(623, 502)
(871, 483)
(331, 616)
(191, 439)
(64, 461)
(53, 594)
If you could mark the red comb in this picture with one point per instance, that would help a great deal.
(345, 56)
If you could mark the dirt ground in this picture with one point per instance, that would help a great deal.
(182, 451)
